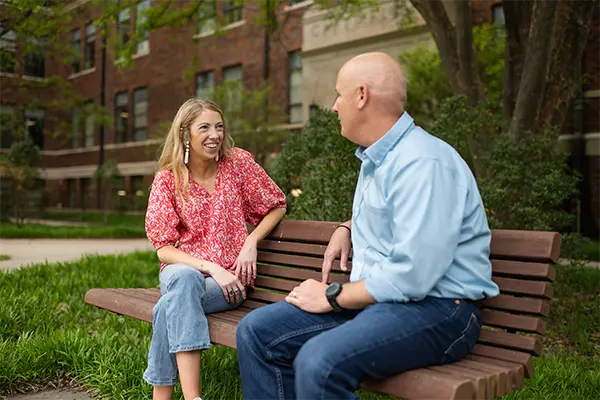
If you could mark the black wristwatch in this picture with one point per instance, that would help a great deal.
(332, 292)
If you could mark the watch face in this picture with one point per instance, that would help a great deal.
(333, 289)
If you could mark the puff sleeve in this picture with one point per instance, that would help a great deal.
(162, 219)
(260, 194)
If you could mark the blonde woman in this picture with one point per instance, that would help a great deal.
(202, 196)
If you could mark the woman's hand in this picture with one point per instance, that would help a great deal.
(245, 264)
(233, 290)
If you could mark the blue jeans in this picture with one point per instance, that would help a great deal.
(286, 353)
(179, 319)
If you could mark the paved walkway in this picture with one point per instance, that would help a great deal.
(52, 395)
(25, 252)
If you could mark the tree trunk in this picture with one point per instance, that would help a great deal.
(444, 35)
(531, 90)
(469, 78)
(517, 15)
(572, 26)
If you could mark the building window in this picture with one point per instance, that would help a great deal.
(8, 50)
(207, 17)
(233, 81)
(89, 125)
(140, 112)
(295, 88)
(232, 11)
(141, 18)
(498, 14)
(75, 127)
(34, 126)
(124, 27)
(205, 84)
(35, 60)
(71, 192)
(76, 49)
(7, 126)
(85, 192)
(121, 117)
(90, 45)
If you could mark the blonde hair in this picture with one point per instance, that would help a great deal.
(174, 147)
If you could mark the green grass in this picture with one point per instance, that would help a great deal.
(592, 251)
(10, 230)
(95, 217)
(4, 257)
(47, 333)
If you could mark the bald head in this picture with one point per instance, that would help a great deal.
(381, 74)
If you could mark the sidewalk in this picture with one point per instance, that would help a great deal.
(52, 395)
(25, 252)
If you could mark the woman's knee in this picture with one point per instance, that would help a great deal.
(180, 275)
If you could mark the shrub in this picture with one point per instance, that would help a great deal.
(321, 163)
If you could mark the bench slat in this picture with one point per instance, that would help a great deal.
(497, 353)
(521, 287)
(314, 263)
(484, 382)
(303, 249)
(505, 244)
(504, 374)
(316, 232)
(518, 304)
(525, 245)
(512, 321)
(518, 369)
(513, 341)
(122, 301)
(263, 295)
(424, 384)
(297, 274)
(523, 270)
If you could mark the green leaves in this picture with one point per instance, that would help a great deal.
(320, 162)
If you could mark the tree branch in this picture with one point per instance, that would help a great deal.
(531, 89)
(571, 31)
(444, 34)
(517, 15)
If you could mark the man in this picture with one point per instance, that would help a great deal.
(420, 256)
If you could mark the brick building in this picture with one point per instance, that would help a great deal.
(148, 94)
(173, 64)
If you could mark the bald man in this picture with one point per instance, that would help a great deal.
(420, 242)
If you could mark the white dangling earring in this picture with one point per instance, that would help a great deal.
(186, 156)
(217, 158)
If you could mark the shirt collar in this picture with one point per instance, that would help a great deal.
(378, 150)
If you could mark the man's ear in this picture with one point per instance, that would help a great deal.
(363, 96)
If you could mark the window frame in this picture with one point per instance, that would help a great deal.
(76, 49)
(8, 45)
(291, 70)
(134, 136)
(210, 88)
(118, 109)
(89, 60)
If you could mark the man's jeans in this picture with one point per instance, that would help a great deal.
(286, 353)
(179, 319)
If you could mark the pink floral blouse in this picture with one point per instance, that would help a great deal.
(212, 226)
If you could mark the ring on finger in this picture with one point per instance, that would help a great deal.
(293, 294)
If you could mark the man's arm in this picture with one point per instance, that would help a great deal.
(427, 208)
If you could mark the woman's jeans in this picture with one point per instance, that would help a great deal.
(179, 319)
(286, 353)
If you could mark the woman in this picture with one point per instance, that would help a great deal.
(202, 196)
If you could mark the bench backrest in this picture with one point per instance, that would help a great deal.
(513, 321)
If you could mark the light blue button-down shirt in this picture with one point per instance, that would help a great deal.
(418, 222)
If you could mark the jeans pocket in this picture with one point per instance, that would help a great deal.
(463, 345)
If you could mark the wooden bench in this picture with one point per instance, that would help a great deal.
(513, 321)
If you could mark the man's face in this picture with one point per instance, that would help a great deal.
(344, 107)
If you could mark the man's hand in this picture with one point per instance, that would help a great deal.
(339, 246)
(310, 297)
